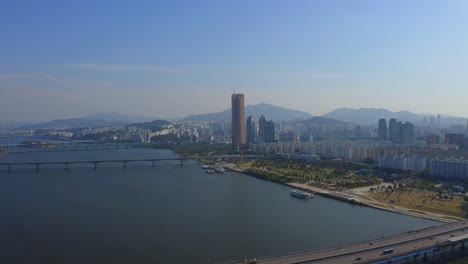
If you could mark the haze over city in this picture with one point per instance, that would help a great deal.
(234, 131)
(175, 58)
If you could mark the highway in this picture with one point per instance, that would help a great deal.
(372, 251)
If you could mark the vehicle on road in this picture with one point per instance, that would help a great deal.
(388, 251)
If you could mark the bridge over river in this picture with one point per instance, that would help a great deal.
(152, 161)
(430, 245)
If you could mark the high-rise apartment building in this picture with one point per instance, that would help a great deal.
(238, 121)
(407, 133)
(455, 139)
(382, 134)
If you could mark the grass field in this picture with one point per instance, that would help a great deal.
(326, 175)
(419, 201)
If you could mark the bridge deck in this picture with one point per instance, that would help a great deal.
(371, 251)
(90, 161)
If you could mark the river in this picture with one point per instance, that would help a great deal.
(166, 214)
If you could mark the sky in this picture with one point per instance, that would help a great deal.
(168, 59)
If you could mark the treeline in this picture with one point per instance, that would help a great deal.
(267, 175)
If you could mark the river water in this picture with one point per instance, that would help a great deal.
(166, 214)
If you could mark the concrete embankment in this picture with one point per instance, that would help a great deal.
(328, 194)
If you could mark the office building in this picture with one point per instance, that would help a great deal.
(238, 121)
(269, 131)
(382, 133)
(266, 130)
(251, 127)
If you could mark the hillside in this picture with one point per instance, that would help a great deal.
(276, 113)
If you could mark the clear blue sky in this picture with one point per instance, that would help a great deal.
(61, 59)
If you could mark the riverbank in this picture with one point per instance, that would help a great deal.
(349, 197)
(362, 200)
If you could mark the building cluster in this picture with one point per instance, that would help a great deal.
(348, 150)
(395, 147)
(263, 132)
(201, 132)
(396, 132)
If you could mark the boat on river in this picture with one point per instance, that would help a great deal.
(301, 194)
(219, 169)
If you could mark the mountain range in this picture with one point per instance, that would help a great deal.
(93, 120)
(121, 118)
(73, 123)
(323, 121)
(365, 116)
(273, 112)
(371, 116)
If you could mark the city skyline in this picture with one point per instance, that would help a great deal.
(62, 61)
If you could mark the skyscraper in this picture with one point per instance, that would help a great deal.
(261, 127)
(238, 121)
(382, 129)
(393, 130)
(466, 129)
(269, 135)
(266, 129)
(251, 130)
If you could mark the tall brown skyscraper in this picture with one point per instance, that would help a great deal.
(238, 121)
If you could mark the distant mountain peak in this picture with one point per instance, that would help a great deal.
(276, 113)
